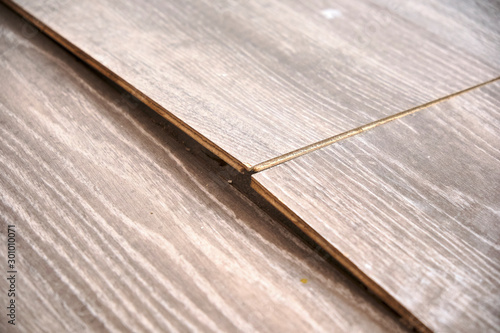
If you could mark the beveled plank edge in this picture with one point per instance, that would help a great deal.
(323, 143)
(408, 318)
(204, 141)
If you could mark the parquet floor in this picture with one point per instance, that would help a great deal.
(372, 125)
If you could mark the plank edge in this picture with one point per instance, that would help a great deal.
(87, 59)
(408, 318)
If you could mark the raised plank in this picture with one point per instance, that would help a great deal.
(120, 229)
(253, 80)
(412, 208)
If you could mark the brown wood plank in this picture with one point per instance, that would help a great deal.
(120, 229)
(412, 208)
(255, 80)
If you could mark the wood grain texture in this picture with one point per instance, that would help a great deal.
(255, 80)
(120, 229)
(412, 208)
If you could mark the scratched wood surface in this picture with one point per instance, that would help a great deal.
(412, 208)
(119, 228)
(253, 80)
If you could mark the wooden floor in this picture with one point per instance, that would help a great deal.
(412, 208)
(255, 81)
(121, 229)
(373, 125)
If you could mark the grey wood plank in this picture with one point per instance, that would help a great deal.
(120, 229)
(412, 208)
(255, 80)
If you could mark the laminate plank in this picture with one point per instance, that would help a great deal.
(412, 208)
(253, 81)
(120, 229)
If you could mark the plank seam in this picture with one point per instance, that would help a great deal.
(324, 143)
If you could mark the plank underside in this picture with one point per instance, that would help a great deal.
(253, 80)
(412, 208)
(120, 229)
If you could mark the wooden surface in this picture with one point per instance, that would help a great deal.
(119, 228)
(412, 208)
(255, 80)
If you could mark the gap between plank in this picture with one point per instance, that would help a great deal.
(323, 143)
